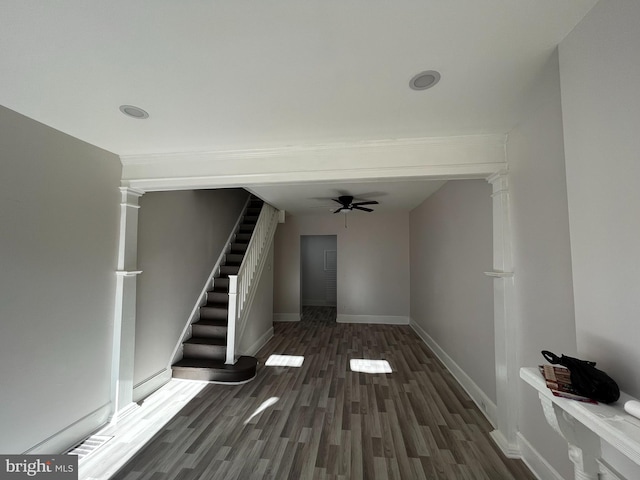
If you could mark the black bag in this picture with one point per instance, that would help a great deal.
(587, 380)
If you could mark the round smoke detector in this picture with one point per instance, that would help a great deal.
(134, 112)
(424, 80)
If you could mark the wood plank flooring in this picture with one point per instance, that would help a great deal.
(329, 422)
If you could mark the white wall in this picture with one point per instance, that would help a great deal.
(451, 298)
(259, 327)
(373, 264)
(314, 279)
(59, 216)
(542, 256)
(180, 236)
(601, 111)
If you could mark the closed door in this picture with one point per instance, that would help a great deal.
(318, 270)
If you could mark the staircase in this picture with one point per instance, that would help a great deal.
(204, 354)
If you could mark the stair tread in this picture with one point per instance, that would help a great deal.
(211, 322)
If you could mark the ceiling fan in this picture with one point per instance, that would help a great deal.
(348, 205)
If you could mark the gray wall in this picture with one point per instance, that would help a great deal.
(373, 262)
(315, 280)
(180, 237)
(59, 214)
(451, 298)
(601, 111)
(542, 256)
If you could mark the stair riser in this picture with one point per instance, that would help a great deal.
(209, 331)
(238, 247)
(221, 284)
(218, 297)
(214, 313)
(212, 352)
(228, 270)
(233, 259)
(246, 228)
(242, 238)
(212, 375)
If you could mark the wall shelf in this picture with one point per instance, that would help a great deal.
(584, 425)
(496, 274)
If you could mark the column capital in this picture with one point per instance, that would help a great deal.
(130, 197)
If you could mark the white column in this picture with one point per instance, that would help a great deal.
(505, 323)
(124, 325)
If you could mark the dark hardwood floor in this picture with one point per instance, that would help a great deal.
(323, 421)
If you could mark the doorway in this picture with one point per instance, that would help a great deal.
(318, 274)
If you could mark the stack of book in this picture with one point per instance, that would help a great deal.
(558, 380)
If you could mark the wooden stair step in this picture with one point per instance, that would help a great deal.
(227, 270)
(214, 313)
(220, 296)
(210, 348)
(238, 247)
(233, 259)
(215, 370)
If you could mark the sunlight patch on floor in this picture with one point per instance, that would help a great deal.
(284, 361)
(266, 404)
(370, 366)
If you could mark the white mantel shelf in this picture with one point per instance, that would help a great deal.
(608, 422)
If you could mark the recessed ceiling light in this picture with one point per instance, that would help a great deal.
(424, 80)
(134, 112)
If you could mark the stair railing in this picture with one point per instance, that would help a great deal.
(242, 287)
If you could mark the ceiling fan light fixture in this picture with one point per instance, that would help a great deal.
(134, 112)
(424, 80)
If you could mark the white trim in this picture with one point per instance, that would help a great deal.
(298, 150)
(154, 382)
(230, 180)
(70, 435)
(201, 300)
(125, 273)
(376, 319)
(535, 461)
(124, 319)
(473, 156)
(287, 317)
(505, 319)
(258, 344)
(607, 472)
(124, 412)
(484, 403)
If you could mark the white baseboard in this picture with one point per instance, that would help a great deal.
(536, 462)
(509, 450)
(151, 384)
(286, 317)
(258, 344)
(379, 319)
(484, 403)
(69, 436)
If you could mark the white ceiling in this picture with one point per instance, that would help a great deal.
(315, 198)
(224, 74)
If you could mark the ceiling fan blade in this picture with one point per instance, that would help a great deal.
(337, 201)
(362, 208)
(368, 202)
